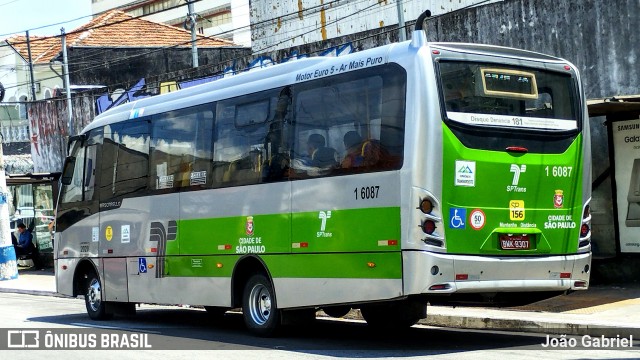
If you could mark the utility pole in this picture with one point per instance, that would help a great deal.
(192, 20)
(8, 263)
(67, 84)
(33, 81)
(402, 32)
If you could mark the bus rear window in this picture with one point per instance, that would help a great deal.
(507, 96)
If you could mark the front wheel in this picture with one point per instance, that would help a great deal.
(259, 309)
(96, 308)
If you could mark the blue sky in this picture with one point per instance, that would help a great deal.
(17, 16)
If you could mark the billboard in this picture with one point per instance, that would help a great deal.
(626, 146)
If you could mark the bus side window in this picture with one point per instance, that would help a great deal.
(181, 149)
(125, 159)
(361, 116)
(72, 192)
(249, 146)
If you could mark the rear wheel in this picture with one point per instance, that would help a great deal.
(259, 309)
(96, 308)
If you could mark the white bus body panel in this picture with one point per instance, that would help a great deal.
(317, 291)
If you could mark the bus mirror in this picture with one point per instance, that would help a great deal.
(67, 172)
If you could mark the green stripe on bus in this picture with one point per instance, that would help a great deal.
(349, 230)
(376, 265)
(354, 265)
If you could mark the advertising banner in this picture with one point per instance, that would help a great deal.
(626, 145)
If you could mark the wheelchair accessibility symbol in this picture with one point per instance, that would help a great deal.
(142, 265)
(457, 217)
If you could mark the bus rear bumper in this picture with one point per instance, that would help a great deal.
(433, 273)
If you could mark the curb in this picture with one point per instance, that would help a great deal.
(532, 326)
(33, 292)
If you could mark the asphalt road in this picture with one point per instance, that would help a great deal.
(187, 333)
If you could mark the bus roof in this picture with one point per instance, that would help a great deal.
(495, 50)
(280, 75)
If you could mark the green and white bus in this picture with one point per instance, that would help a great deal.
(381, 180)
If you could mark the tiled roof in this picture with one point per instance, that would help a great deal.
(113, 29)
(43, 48)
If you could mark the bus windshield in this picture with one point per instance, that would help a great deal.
(495, 95)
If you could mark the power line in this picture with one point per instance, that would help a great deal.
(43, 38)
(118, 60)
(392, 29)
(311, 10)
(92, 15)
(125, 58)
(233, 60)
(112, 62)
(10, 2)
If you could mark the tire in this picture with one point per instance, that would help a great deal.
(395, 315)
(96, 307)
(259, 310)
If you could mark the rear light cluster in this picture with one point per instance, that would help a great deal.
(585, 228)
(430, 221)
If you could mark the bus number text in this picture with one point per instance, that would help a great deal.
(559, 171)
(367, 192)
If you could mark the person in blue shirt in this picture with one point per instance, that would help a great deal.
(25, 241)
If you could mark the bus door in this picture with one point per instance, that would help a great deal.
(124, 211)
(78, 219)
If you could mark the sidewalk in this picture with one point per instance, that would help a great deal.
(31, 281)
(604, 310)
(600, 311)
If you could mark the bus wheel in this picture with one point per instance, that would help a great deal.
(259, 310)
(96, 308)
(395, 315)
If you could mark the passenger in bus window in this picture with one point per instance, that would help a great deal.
(353, 146)
(319, 154)
(320, 159)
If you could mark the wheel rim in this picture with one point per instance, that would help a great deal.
(260, 304)
(93, 295)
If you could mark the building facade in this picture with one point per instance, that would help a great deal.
(18, 89)
(222, 19)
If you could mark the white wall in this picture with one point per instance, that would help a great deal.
(280, 24)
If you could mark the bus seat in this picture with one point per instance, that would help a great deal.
(324, 158)
(228, 174)
(370, 152)
(219, 169)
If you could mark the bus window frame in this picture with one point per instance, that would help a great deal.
(575, 93)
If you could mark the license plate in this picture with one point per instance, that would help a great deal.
(515, 242)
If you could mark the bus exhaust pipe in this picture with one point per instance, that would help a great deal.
(419, 37)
